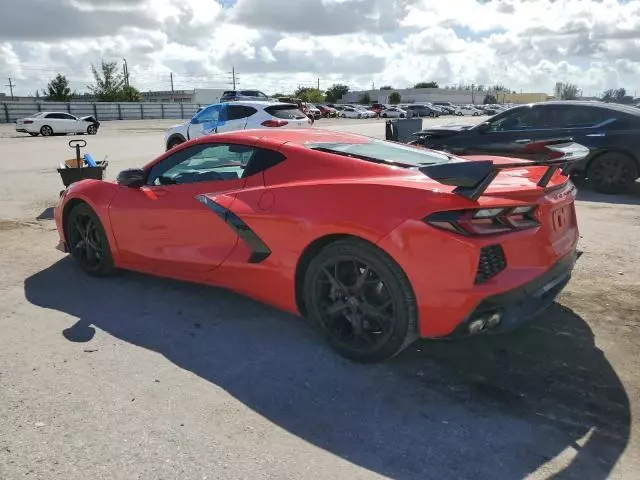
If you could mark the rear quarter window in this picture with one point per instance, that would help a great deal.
(287, 112)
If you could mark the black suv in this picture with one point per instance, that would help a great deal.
(231, 95)
(610, 131)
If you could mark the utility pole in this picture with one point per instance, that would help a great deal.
(10, 85)
(373, 86)
(171, 75)
(318, 84)
(125, 69)
(233, 77)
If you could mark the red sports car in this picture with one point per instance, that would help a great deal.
(377, 242)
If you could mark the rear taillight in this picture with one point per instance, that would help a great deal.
(27, 122)
(274, 123)
(485, 221)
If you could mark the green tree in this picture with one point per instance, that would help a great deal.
(365, 99)
(129, 94)
(395, 98)
(109, 82)
(426, 85)
(569, 91)
(490, 99)
(311, 95)
(58, 89)
(614, 95)
(336, 92)
(386, 87)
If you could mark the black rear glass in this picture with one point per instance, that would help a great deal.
(286, 111)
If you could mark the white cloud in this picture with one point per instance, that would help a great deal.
(277, 44)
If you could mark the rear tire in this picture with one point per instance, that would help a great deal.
(612, 173)
(87, 241)
(361, 300)
(34, 134)
(46, 131)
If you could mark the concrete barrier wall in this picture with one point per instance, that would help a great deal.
(11, 111)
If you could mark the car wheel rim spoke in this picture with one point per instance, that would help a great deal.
(354, 304)
(86, 241)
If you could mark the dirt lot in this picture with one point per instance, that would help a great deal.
(137, 377)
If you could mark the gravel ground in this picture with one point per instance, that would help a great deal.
(139, 377)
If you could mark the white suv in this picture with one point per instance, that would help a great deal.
(238, 115)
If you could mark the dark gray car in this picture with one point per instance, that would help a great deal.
(422, 111)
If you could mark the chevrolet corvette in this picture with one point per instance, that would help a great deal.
(376, 242)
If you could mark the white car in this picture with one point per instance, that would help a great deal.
(466, 110)
(55, 123)
(393, 112)
(237, 115)
(351, 112)
(366, 113)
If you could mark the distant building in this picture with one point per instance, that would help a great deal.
(413, 95)
(168, 96)
(207, 95)
(522, 97)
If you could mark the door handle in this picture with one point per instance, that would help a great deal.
(524, 140)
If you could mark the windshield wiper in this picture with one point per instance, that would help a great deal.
(363, 157)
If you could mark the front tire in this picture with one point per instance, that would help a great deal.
(174, 142)
(361, 300)
(92, 129)
(87, 241)
(612, 173)
(46, 131)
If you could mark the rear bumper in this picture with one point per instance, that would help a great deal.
(521, 304)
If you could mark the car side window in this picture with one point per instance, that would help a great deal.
(577, 116)
(237, 112)
(527, 118)
(54, 116)
(209, 114)
(202, 163)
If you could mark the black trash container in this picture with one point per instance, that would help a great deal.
(75, 169)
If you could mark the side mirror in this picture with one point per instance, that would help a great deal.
(483, 128)
(132, 177)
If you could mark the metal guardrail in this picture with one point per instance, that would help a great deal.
(11, 111)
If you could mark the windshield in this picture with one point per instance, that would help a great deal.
(380, 151)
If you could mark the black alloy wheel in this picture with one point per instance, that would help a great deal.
(612, 173)
(361, 300)
(174, 142)
(88, 242)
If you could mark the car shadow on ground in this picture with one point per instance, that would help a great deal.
(587, 194)
(47, 214)
(487, 407)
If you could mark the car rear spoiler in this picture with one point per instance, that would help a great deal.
(472, 178)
